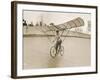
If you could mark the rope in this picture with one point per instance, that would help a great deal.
(46, 34)
(66, 34)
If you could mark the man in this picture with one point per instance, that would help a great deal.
(58, 41)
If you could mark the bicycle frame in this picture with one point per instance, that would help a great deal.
(54, 53)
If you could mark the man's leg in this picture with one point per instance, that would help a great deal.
(60, 44)
(57, 47)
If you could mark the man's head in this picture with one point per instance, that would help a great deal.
(57, 32)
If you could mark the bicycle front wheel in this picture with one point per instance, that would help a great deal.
(53, 52)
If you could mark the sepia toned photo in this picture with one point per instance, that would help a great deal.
(53, 39)
(56, 39)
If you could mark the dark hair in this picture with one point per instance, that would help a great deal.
(57, 31)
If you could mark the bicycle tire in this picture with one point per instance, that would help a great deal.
(53, 52)
(61, 50)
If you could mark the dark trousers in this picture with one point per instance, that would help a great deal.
(58, 45)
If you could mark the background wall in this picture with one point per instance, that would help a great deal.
(5, 40)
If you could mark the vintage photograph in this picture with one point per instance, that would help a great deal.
(56, 39)
(50, 39)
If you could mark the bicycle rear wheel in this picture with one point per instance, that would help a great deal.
(61, 51)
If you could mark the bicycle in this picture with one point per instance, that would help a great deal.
(54, 53)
